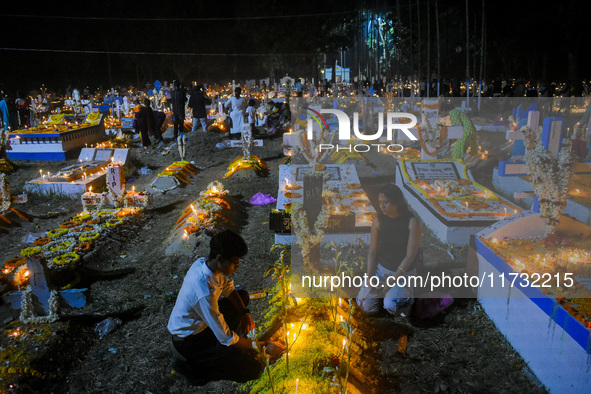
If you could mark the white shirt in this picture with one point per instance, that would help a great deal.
(235, 103)
(250, 111)
(196, 306)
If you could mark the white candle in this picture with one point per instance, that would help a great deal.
(297, 385)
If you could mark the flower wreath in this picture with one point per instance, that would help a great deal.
(105, 212)
(81, 218)
(60, 246)
(30, 251)
(113, 222)
(82, 247)
(66, 258)
(89, 237)
(58, 232)
(15, 262)
(70, 224)
(42, 241)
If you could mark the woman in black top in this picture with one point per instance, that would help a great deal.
(395, 241)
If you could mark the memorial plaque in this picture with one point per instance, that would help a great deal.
(341, 223)
(333, 172)
(127, 123)
(115, 178)
(103, 154)
(435, 170)
(120, 156)
(87, 154)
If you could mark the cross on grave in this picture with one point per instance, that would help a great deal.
(552, 131)
(40, 286)
(246, 136)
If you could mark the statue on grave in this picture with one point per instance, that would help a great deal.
(76, 100)
(157, 96)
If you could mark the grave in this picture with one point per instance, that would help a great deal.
(51, 142)
(41, 291)
(510, 176)
(553, 342)
(448, 200)
(344, 183)
(89, 172)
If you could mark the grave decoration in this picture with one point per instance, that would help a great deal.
(550, 176)
(206, 212)
(432, 132)
(539, 284)
(18, 345)
(6, 201)
(57, 135)
(174, 175)
(5, 165)
(448, 201)
(247, 161)
(63, 247)
(310, 218)
(514, 177)
(453, 194)
(115, 143)
(116, 194)
(75, 179)
(468, 141)
(324, 340)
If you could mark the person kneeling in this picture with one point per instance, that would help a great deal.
(204, 342)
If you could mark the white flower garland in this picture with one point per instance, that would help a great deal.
(247, 143)
(549, 176)
(215, 185)
(117, 199)
(158, 94)
(28, 315)
(182, 145)
(4, 194)
(307, 238)
(431, 135)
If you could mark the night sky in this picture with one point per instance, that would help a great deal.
(133, 43)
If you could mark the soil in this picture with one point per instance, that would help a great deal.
(136, 271)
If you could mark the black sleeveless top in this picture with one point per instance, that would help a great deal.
(393, 241)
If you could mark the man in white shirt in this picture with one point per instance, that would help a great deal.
(202, 325)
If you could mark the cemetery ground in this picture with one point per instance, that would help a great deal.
(134, 274)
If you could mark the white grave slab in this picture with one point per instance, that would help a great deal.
(551, 341)
(81, 185)
(343, 175)
(449, 229)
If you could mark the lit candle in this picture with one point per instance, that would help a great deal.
(297, 385)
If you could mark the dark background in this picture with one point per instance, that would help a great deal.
(133, 43)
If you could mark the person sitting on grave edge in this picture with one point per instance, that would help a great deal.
(206, 315)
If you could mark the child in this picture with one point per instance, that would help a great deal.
(251, 114)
